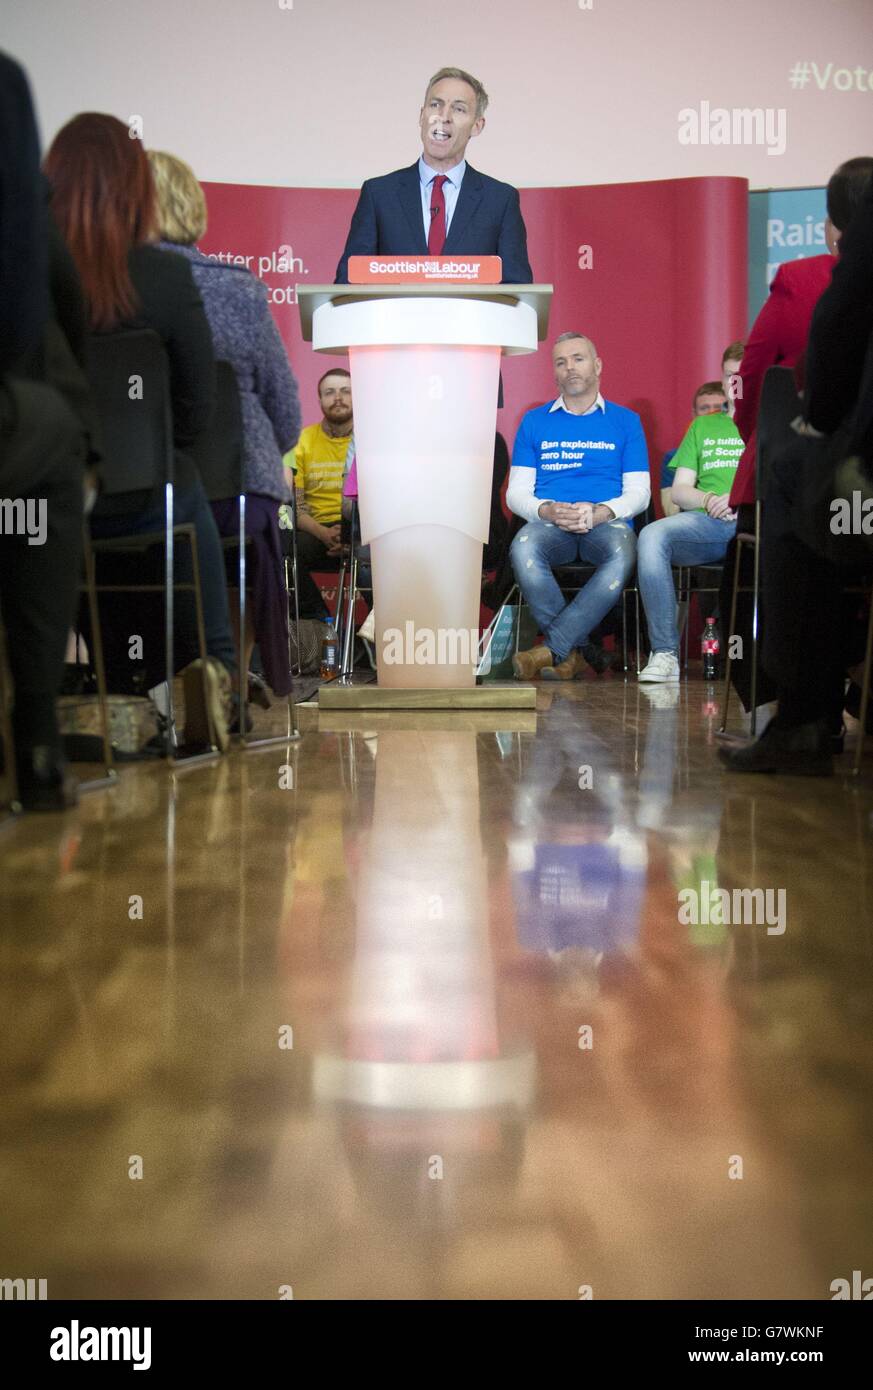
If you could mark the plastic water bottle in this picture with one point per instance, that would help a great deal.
(329, 653)
(709, 650)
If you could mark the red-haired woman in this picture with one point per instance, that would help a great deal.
(104, 201)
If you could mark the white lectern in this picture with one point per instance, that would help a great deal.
(425, 362)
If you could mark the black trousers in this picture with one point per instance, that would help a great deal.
(42, 454)
(312, 556)
(124, 614)
(811, 626)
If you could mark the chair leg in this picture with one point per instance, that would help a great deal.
(638, 628)
(242, 672)
(756, 594)
(348, 645)
(683, 602)
(201, 638)
(339, 615)
(295, 578)
(172, 740)
(624, 630)
(6, 728)
(865, 692)
(727, 668)
(109, 768)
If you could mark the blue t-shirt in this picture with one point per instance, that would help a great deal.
(668, 468)
(580, 458)
(579, 895)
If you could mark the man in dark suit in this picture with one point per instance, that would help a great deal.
(441, 205)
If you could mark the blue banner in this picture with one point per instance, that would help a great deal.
(785, 224)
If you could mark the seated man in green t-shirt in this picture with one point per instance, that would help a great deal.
(699, 534)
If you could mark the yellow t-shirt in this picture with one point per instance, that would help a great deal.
(318, 462)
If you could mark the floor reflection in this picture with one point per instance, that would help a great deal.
(421, 1020)
(427, 1085)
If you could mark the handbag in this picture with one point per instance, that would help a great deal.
(308, 655)
(833, 510)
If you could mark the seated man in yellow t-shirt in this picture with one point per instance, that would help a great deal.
(318, 462)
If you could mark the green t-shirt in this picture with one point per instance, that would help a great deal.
(711, 449)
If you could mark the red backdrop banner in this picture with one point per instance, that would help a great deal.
(655, 273)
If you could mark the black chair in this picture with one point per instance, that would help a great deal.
(6, 739)
(129, 378)
(347, 593)
(694, 579)
(218, 454)
(571, 579)
(778, 406)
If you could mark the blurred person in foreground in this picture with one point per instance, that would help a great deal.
(48, 446)
(810, 629)
(245, 335)
(103, 198)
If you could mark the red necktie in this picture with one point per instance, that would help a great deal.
(436, 238)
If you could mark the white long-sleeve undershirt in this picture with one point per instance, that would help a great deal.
(636, 491)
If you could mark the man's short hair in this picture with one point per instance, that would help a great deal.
(733, 353)
(565, 338)
(334, 371)
(709, 388)
(846, 187)
(461, 76)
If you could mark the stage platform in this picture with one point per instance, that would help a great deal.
(503, 695)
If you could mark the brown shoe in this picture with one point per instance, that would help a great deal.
(527, 665)
(207, 704)
(570, 669)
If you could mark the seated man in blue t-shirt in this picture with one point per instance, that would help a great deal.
(580, 472)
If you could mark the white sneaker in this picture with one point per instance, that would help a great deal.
(663, 666)
(367, 630)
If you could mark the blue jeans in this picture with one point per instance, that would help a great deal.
(539, 547)
(689, 538)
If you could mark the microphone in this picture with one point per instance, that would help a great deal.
(433, 211)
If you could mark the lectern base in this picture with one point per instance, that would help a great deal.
(492, 696)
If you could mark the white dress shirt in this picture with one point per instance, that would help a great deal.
(451, 189)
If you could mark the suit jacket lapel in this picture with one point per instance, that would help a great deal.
(469, 199)
(409, 193)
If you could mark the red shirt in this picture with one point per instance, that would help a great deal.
(778, 338)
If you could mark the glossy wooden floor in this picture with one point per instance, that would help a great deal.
(430, 916)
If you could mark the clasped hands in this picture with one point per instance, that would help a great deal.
(332, 539)
(575, 516)
(719, 508)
